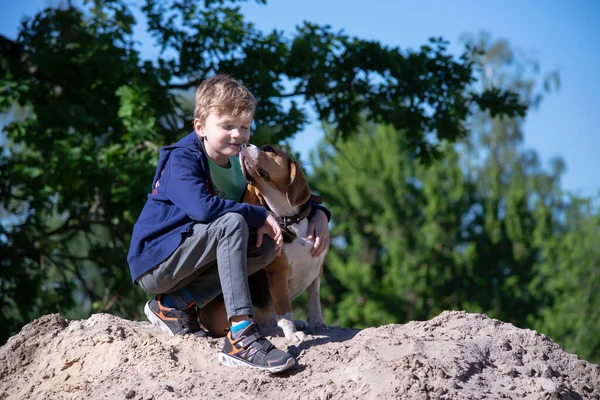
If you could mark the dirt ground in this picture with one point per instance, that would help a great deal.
(453, 356)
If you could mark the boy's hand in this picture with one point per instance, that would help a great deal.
(318, 230)
(273, 230)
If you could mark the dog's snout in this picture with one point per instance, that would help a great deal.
(248, 146)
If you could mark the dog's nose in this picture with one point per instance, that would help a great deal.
(244, 145)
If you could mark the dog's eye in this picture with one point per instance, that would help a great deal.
(268, 149)
(263, 174)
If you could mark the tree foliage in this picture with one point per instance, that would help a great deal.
(485, 228)
(76, 166)
(568, 282)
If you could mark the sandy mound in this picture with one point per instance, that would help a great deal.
(453, 356)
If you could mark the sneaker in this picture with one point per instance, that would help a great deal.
(252, 349)
(173, 321)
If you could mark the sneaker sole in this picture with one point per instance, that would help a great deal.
(153, 318)
(230, 361)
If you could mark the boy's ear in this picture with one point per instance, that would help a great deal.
(198, 127)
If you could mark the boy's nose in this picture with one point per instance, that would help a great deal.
(236, 132)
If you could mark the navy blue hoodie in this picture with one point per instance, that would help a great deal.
(182, 194)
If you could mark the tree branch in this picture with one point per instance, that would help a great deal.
(76, 270)
(293, 94)
(9, 47)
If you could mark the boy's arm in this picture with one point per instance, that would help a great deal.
(316, 207)
(315, 202)
(182, 182)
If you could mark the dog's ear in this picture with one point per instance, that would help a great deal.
(253, 196)
(298, 191)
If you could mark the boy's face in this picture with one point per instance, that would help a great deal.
(223, 136)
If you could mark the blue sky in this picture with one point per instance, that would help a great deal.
(562, 35)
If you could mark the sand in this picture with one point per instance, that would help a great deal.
(455, 355)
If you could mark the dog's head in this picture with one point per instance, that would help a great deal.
(268, 168)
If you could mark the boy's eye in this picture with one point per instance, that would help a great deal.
(232, 127)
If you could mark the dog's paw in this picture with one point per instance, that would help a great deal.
(290, 332)
(317, 326)
(296, 337)
(300, 325)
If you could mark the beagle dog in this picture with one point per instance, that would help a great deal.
(277, 182)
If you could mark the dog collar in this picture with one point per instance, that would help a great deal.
(284, 222)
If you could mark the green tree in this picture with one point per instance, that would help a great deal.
(485, 228)
(75, 170)
(397, 229)
(459, 233)
(514, 200)
(568, 280)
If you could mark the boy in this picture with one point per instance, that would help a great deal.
(194, 240)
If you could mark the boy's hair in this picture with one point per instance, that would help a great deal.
(223, 94)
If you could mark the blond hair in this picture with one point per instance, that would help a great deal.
(222, 94)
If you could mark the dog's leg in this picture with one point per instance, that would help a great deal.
(213, 317)
(265, 318)
(300, 325)
(277, 274)
(315, 316)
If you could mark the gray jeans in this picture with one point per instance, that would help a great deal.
(213, 258)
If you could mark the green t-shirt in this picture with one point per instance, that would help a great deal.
(229, 182)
